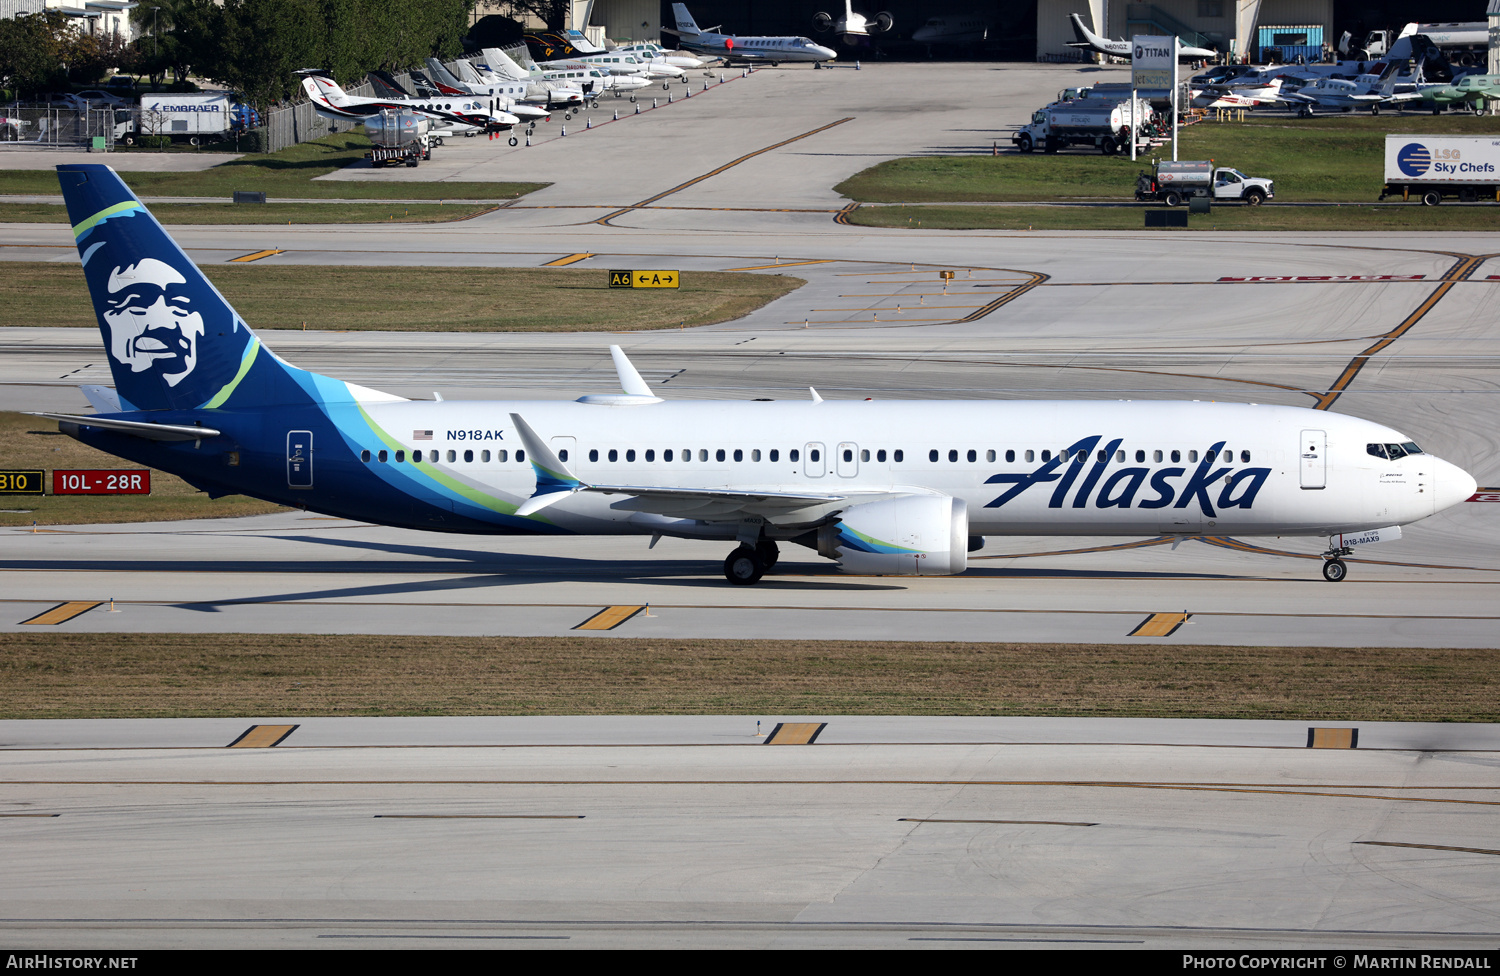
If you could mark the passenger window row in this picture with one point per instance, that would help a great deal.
(435, 457)
(687, 455)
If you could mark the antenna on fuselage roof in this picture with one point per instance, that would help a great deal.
(816, 398)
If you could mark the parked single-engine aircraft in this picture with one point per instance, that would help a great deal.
(331, 101)
(1121, 49)
(896, 487)
(744, 50)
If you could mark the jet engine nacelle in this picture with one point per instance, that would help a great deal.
(913, 535)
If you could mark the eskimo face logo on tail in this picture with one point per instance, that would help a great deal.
(152, 324)
(1209, 485)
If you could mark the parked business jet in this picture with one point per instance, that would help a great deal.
(853, 28)
(901, 488)
(744, 50)
(331, 101)
(555, 93)
(1121, 49)
(955, 30)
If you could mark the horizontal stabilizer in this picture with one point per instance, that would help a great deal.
(101, 398)
(135, 428)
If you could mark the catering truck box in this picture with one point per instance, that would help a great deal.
(1434, 168)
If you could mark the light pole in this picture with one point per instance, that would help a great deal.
(153, 32)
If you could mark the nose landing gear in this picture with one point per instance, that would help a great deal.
(1334, 569)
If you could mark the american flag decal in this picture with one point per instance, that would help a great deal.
(421, 435)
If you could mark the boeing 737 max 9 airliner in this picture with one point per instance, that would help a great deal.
(896, 487)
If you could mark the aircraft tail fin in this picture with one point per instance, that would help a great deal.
(501, 64)
(443, 78)
(466, 73)
(424, 87)
(173, 341)
(321, 87)
(685, 22)
(1082, 33)
(386, 85)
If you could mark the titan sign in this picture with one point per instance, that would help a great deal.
(1153, 61)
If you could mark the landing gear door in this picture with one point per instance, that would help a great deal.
(299, 461)
(1313, 450)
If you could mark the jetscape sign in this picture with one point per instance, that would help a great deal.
(1153, 62)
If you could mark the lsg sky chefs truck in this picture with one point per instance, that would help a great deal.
(1434, 168)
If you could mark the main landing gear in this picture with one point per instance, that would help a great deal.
(747, 564)
(1334, 569)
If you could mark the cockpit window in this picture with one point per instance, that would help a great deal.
(1392, 452)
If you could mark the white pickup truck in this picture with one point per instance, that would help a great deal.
(1173, 183)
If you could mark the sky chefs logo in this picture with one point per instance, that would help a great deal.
(1414, 159)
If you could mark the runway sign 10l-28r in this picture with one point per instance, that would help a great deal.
(644, 279)
(20, 482)
(84, 482)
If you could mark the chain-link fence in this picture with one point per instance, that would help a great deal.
(55, 127)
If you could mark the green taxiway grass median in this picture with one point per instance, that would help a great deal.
(271, 296)
(1334, 159)
(73, 675)
(289, 173)
(269, 213)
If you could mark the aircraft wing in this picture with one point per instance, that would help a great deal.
(554, 482)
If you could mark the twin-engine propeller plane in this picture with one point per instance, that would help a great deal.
(894, 488)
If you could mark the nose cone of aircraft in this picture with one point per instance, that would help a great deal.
(826, 52)
(1450, 485)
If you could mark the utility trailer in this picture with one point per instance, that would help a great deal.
(1435, 168)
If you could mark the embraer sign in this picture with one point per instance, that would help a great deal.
(1153, 62)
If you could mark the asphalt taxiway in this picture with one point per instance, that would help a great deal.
(818, 832)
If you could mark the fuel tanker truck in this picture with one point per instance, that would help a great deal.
(1100, 124)
(398, 136)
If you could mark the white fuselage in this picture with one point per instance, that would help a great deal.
(1146, 470)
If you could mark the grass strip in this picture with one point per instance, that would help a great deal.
(272, 296)
(1333, 158)
(270, 213)
(71, 675)
(289, 173)
(31, 443)
(1344, 217)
